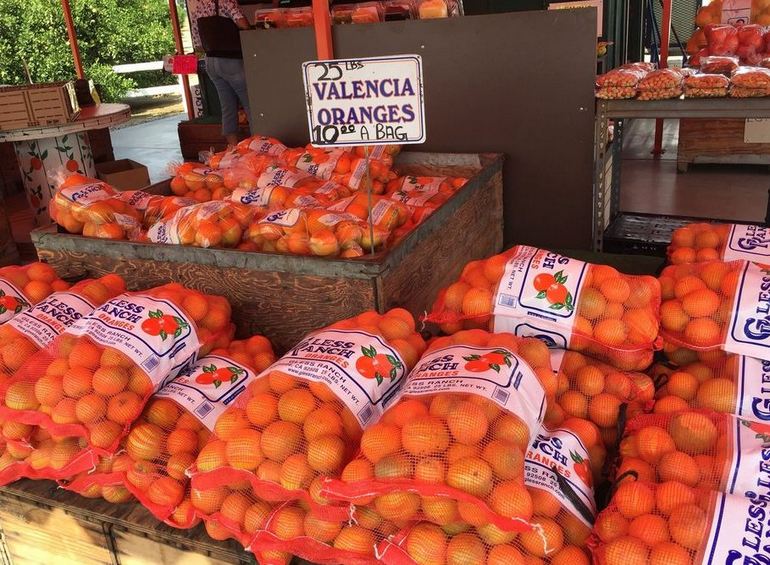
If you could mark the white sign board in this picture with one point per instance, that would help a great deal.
(757, 130)
(371, 101)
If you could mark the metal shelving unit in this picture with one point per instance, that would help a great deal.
(606, 150)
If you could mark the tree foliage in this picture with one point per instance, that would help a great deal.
(110, 32)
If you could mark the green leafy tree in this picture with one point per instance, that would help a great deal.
(110, 32)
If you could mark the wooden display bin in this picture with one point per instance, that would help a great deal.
(285, 296)
(717, 141)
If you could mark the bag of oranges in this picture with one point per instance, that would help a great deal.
(23, 287)
(574, 305)
(592, 390)
(717, 306)
(446, 186)
(302, 418)
(452, 448)
(675, 524)
(697, 448)
(197, 181)
(211, 224)
(178, 421)
(262, 145)
(340, 165)
(558, 498)
(699, 243)
(103, 480)
(94, 379)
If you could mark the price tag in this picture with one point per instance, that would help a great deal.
(372, 101)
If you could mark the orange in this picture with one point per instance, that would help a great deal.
(210, 500)
(146, 441)
(105, 434)
(233, 420)
(425, 435)
(512, 500)
(643, 470)
(494, 267)
(693, 433)
(589, 380)
(670, 404)
(321, 530)
(90, 408)
(217, 531)
(114, 358)
(426, 544)
(477, 302)
(398, 505)
(295, 473)
(465, 548)
(380, 440)
(511, 428)
(281, 439)
(570, 555)
(256, 516)
(615, 289)
(287, 522)
(574, 403)
(633, 499)
(610, 332)
(109, 381)
(504, 555)
(470, 474)
(610, 525)
(505, 458)
(700, 303)
(673, 317)
(21, 396)
(441, 510)
(671, 494)
(625, 551)
(394, 327)
(295, 405)
(326, 453)
(702, 332)
(212, 456)
(467, 423)
(406, 410)
(48, 390)
(124, 408)
(591, 304)
(85, 354)
(683, 255)
(77, 382)
(64, 412)
(687, 284)
(678, 466)
(545, 539)
(454, 295)
(688, 526)
(234, 508)
(603, 410)
(682, 384)
(718, 395)
(262, 408)
(706, 238)
(177, 465)
(618, 384)
(63, 453)
(182, 441)
(355, 539)
(321, 421)
(649, 528)
(243, 449)
(653, 442)
(165, 491)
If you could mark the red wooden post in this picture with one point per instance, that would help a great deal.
(180, 51)
(73, 38)
(665, 38)
(322, 23)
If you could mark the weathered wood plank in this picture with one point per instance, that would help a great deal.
(718, 140)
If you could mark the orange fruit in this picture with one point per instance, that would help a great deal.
(477, 302)
(574, 404)
(700, 303)
(653, 442)
(105, 434)
(256, 516)
(380, 440)
(465, 548)
(321, 530)
(678, 466)
(124, 408)
(693, 433)
(182, 441)
(210, 500)
(212, 456)
(512, 500)
(591, 304)
(504, 555)
(511, 428)
(673, 317)
(90, 408)
(281, 439)
(625, 551)
(546, 538)
(177, 465)
(467, 423)
(326, 453)
(611, 332)
(244, 450)
(687, 284)
(146, 441)
(21, 396)
(633, 499)
(702, 332)
(688, 526)
(355, 539)
(718, 395)
(570, 555)
(165, 491)
(505, 458)
(262, 408)
(667, 553)
(669, 405)
(610, 525)
(48, 390)
(323, 420)
(470, 474)
(85, 354)
(649, 528)
(232, 421)
(643, 470)
(109, 381)
(398, 505)
(295, 405)
(287, 522)
(682, 384)
(234, 508)
(440, 510)
(615, 289)
(589, 380)
(426, 544)
(425, 435)
(603, 410)
(77, 382)
(671, 494)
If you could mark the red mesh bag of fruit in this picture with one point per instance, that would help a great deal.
(661, 84)
(716, 306)
(302, 419)
(178, 421)
(94, 379)
(210, 224)
(591, 390)
(706, 85)
(673, 523)
(696, 448)
(452, 448)
(593, 309)
(558, 498)
(722, 39)
(702, 242)
(21, 287)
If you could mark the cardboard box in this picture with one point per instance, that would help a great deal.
(123, 174)
(35, 105)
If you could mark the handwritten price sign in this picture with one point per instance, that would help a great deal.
(371, 101)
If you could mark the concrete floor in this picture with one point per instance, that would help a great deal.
(155, 144)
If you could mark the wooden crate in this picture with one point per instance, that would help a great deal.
(717, 141)
(33, 105)
(195, 137)
(285, 296)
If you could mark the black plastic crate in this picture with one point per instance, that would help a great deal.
(642, 234)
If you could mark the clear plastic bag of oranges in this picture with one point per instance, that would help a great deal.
(35, 328)
(262, 145)
(699, 243)
(210, 224)
(696, 448)
(379, 210)
(574, 305)
(21, 287)
(302, 419)
(340, 165)
(94, 379)
(675, 524)
(596, 391)
(452, 448)
(197, 181)
(178, 422)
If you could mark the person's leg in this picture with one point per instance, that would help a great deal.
(216, 68)
(236, 78)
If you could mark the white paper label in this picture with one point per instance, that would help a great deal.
(413, 183)
(137, 199)
(284, 218)
(275, 176)
(86, 194)
(45, 321)
(750, 469)
(229, 159)
(560, 455)
(266, 146)
(492, 373)
(252, 196)
(152, 332)
(750, 243)
(208, 388)
(323, 170)
(306, 201)
(363, 370)
(413, 198)
(557, 356)
(738, 532)
(537, 295)
(12, 301)
(749, 331)
(753, 389)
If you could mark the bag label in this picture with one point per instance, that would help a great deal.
(45, 321)
(321, 169)
(412, 183)
(168, 231)
(267, 146)
(753, 391)
(275, 176)
(252, 196)
(284, 218)
(496, 374)
(86, 194)
(137, 199)
(750, 243)
(738, 530)
(12, 300)
(413, 198)
(749, 330)
(361, 369)
(557, 462)
(208, 388)
(537, 295)
(749, 469)
(153, 332)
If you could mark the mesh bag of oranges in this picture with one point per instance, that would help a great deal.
(94, 379)
(104, 480)
(197, 181)
(341, 165)
(302, 418)
(596, 391)
(318, 232)
(87, 206)
(35, 328)
(422, 194)
(557, 498)
(717, 306)
(697, 448)
(383, 213)
(732, 385)
(674, 524)
(452, 448)
(153, 207)
(210, 224)
(698, 243)
(178, 421)
(574, 305)
(262, 145)
(23, 287)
